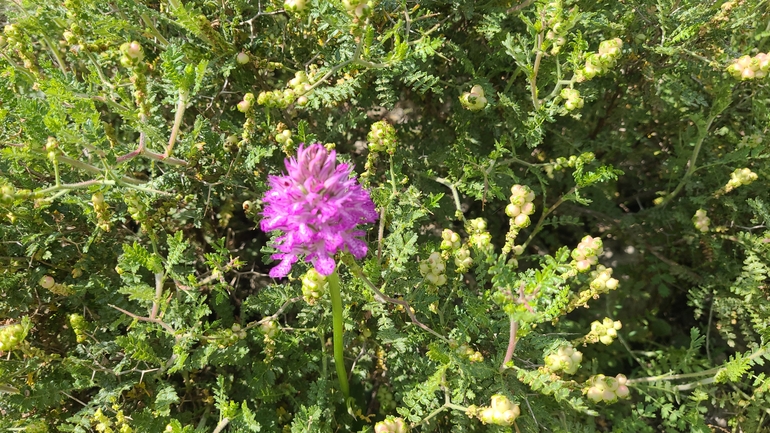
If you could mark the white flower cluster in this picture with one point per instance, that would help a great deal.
(10, 337)
(521, 206)
(566, 359)
(480, 238)
(391, 425)
(572, 99)
(313, 286)
(450, 240)
(382, 137)
(474, 100)
(607, 389)
(749, 68)
(741, 176)
(587, 252)
(295, 6)
(433, 269)
(603, 281)
(359, 9)
(701, 220)
(605, 331)
(501, 411)
(601, 62)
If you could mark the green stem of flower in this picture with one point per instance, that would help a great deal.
(339, 332)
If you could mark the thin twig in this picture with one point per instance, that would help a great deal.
(163, 324)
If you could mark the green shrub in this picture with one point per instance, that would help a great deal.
(547, 176)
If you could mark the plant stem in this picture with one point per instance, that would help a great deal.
(339, 332)
(180, 108)
(535, 68)
(455, 195)
(511, 343)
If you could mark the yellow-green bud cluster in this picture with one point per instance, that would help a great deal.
(17, 41)
(269, 328)
(7, 193)
(741, 176)
(102, 211)
(607, 389)
(605, 331)
(603, 281)
(136, 207)
(501, 412)
(463, 260)
(701, 220)
(48, 283)
(521, 206)
(480, 239)
(572, 99)
(313, 286)
(78, 323)
(132, 54)
(105, 424)
(573, 160)
(11, 336)
(475, 99)
(749, 68)
(587, 252)
(382, 137)
(386, 400)
(391, 425)
(566, 359)
(601, 62)
(472, 355)
(557, 28)
(433, 269)
(276, 98)
(451, 242)
(359, 9)
(296, 6)
(284, 138)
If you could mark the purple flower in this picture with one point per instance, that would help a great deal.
(317, 206)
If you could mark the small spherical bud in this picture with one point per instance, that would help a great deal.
(134, 51)
(302, 101)
(242, 58)
(47, 282)
(244, 106)
(248, 206)
(521, 221)
(391, 425)
(295, 6)
(622, 391)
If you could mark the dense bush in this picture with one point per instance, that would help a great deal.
(570, 216)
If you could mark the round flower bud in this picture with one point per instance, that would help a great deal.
(295, 6)
(521, 221)
(242, 58)
(47, 282)
(244, 106)
(391, 425)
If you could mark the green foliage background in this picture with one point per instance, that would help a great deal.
(169, 279)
